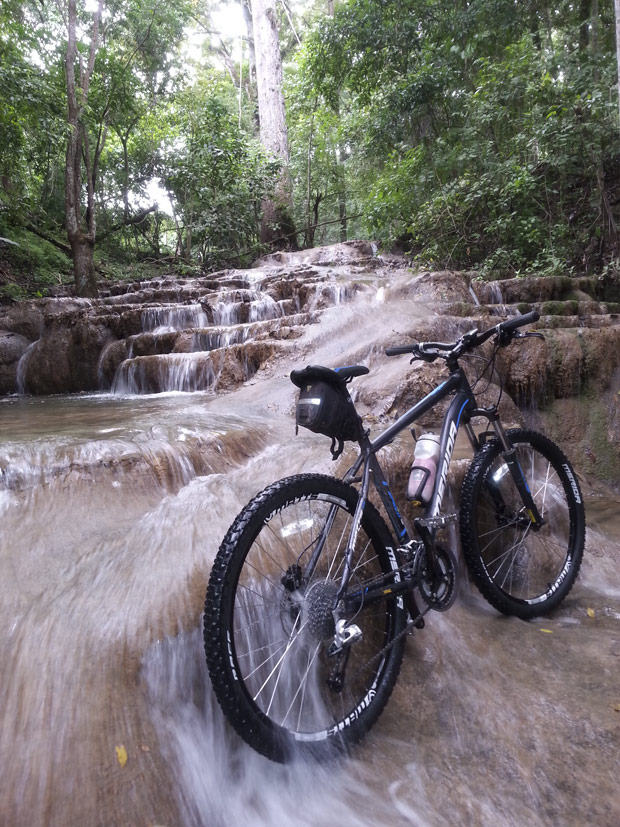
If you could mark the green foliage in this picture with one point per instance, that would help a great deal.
(32, 131)
(148, 120)
(217, 178)
(482, 135)
(30, 265)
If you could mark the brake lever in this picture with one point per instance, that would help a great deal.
(529, 334)
(415, 355)
(422, 356)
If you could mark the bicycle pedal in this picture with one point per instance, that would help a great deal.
(415, 624)
(440, 521)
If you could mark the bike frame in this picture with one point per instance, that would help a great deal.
(460, 412)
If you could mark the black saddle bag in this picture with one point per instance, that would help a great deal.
(325, 407)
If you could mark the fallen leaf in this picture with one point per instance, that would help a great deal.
(590, 612)
(547, 631)
(121, 754)
(616, 707)
(144, 748)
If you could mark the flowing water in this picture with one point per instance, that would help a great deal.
(113, 508)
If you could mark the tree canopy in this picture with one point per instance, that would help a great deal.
(481, 135)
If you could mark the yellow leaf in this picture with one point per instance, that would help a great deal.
(590, 612)
(121, 754)
(547, 631)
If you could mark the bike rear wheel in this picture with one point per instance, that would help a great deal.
(268, 620)
(519, 570)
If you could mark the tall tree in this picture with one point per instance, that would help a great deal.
(483, 136)
(277, 223)
(80, 223)
(113, 74)
(617, 18)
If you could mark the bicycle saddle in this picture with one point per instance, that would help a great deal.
(337, 376)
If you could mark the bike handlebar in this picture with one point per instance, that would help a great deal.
(507, 327)
(429, 351)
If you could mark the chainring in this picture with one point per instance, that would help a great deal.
(437, 595)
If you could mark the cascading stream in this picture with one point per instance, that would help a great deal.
(104, 578)
(113, 508)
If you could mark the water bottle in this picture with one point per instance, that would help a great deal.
(423, 469)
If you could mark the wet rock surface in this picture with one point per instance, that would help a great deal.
(216, 332)
(68, 345)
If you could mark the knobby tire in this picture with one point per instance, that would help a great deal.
(267, 621)
(519, 570)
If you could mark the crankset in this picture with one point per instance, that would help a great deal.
(439, 592)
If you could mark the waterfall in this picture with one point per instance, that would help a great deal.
(226, 313)
(496, 293)
(22, 368)
(186, 372)
(472, 293)
(264, 308)
(173, 317)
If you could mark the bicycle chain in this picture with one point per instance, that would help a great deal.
(409, 625)
(380, 578)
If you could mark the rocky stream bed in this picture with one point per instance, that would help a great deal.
(134, 428)
(214, 333)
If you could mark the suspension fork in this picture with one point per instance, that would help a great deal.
(509, 455)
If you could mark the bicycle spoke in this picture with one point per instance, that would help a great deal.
(254, 623)
(301, 684)
(292, 638)
(267, 659)
(260, 649)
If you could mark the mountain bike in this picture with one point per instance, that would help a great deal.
(311, 594)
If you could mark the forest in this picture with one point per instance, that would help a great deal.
(135, 135)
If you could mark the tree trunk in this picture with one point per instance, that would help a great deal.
(617, 11)
(82, 249)
(585, 14)
(339, 166)
(247, 18)
(342, 212)
(277, 226)
(82, 241)
(342, 191)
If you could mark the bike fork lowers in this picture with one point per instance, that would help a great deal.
(509, 455)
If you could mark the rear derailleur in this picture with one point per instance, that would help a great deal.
(340, 649)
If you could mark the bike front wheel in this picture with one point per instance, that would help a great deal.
(521, 570)
(269, 625)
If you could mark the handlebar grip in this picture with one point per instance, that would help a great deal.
(520, 321)
(398, 351)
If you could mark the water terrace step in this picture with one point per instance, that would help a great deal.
(190, 340)
(216, 370)
(557, 310)
(70, 345)
(547, 289)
